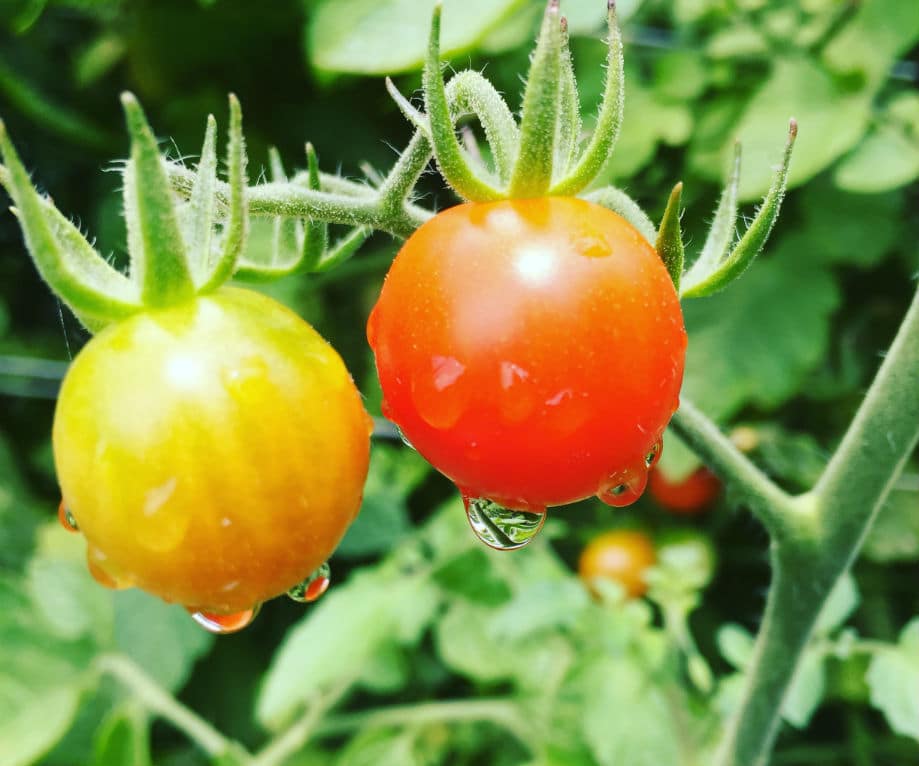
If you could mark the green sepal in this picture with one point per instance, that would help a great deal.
(532, 174)
(158, 260)
(609, 119)
(343, 249)
(619, 202)
(568, 130)
(453, 165)
(669, 242)
(235, 227)
(95, 292)
(708, 277)
(316, 232)
(199, 223)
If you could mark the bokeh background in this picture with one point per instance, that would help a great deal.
(429, 648)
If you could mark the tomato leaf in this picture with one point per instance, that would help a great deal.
(755, 343)
(806, 690)
(894, 536)
(893, 678)
(389, 36)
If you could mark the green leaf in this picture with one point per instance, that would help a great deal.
(161, 638)
(735, 645)
(383, 520)
(832, 121)
(888, 158)
(893, 678)
(543, 605)
(377, 746)
(840, 604)
(879, 32)
(32, 722)
(334, 641)
(755, 343)
(472, 576)
(806, 690)
(389, 36)
(669, 242)
(894, 536)
(123, 739)
(628, 719)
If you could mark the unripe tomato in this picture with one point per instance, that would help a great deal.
(212, 453)
(532, 350)
(693, 494)
(622, 556)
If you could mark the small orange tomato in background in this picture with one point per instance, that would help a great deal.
(622, 556)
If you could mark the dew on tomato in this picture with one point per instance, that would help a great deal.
(313, 586)
(504, 529)
(66, 519)
(531, 350)
(222, 624)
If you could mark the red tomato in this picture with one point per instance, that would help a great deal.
(622, 556)
(690, 495)
(531, 350)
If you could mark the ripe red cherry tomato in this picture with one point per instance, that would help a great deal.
(531, 350)
(212, 453)
(622, 556)
(693, 494)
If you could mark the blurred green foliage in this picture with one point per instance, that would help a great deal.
(429, 649)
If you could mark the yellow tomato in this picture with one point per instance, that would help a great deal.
(213, 453)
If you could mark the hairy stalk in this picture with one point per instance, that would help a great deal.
(293, 200)
(806, 567)
(770, 503)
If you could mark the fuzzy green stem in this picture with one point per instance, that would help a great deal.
(292, 200)
(769, 502)
(806, 567)
(158, 701)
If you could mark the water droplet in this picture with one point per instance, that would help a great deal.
(516, 398)
(313, 586)
(222, 624)
(404, 439)
(503, 529)
(438, 397)
(654, 454)
(624, 488)
(66, 518)
(96, 563)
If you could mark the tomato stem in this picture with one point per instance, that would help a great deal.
(816, 536)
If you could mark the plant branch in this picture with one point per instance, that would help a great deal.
(772, 505)
(806, 568)
(301, 731)
(503, 712)
(155, 699)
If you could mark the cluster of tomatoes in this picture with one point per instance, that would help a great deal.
(214, 452)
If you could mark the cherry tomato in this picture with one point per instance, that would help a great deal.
(693, 494)
(622, 556)
(531, 350)
(212, 453)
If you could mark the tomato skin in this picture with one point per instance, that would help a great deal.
(531, 350)
(622, 556)
(214, 452)
(692, 495)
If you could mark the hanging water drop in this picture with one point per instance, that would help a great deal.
(222, 624)
(66, 518)
(313, 586)
(654, 454)
(503, 529)
(624, 488)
